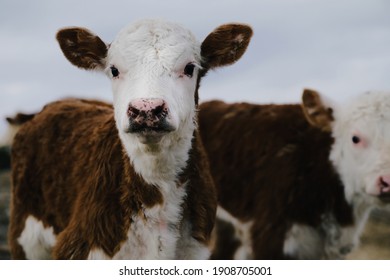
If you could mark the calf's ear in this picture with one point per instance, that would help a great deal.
(316, 112)
(19, 119)
(82, 48)
(225, 45)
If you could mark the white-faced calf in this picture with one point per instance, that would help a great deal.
(92, 181)
(296, 183)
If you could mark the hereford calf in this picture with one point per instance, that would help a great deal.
(92, 181)
(290, 188)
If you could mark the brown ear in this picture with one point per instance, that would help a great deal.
(20, 118)
(225, 45)
(315, 111)
(82, 48)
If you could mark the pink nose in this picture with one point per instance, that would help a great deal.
(384, 184)
(147, 111)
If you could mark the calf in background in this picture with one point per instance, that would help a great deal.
(296, 181)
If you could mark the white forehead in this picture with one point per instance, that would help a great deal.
(367, 114)
(369, 107)
(156, 43)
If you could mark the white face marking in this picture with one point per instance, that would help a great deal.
(151, 57)
(361, 152)
(36, 240)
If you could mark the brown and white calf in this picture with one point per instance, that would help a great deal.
(92, 181)
(293, 189)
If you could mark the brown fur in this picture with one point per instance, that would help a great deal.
(225, 45)
(93, 193)
(82, 48)
(271, 166)
(315, 111)
(201, 198)
(226, 243)
(20, 118)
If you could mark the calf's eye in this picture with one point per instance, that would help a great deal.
(114, 71)
(189, 69)
(355, 139)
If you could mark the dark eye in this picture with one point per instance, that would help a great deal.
(114, 71)
(355, 139)
(189, 70)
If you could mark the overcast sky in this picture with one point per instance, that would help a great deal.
(339, 47)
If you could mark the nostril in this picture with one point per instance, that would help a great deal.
(384, 181)
(146, 115)
(158, 110)
(147, 111)
(133, 112)
(384, 185)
